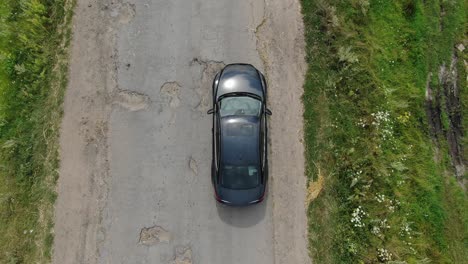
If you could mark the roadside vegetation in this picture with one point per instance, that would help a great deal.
(34, 36)
(384, 98)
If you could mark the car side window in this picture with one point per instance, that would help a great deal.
(217, 138)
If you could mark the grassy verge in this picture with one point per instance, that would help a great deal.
(33, 66)
(388, 191)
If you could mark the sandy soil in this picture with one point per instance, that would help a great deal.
(134, 181)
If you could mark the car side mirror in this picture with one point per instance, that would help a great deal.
(211, 111)
(268, 112)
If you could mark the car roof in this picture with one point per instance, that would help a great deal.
(240, 140)
(237, 78)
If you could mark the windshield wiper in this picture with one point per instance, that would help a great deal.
(240, 94)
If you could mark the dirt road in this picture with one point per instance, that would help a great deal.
(134, 181)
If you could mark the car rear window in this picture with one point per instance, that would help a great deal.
(239, 177)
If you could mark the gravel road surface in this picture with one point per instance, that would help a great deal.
(134, 181)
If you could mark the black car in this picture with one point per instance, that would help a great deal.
(239, 169)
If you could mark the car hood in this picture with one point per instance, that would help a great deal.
(240, 197)
(240, 78)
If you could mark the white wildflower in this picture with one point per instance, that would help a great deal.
(406, 230)
(380, 198)
(375, 230)
(384, 255)
(357, 216)
(361, 123)
(384, 224)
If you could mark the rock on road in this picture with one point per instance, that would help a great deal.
(134, 181)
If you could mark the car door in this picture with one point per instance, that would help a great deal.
(263, 147)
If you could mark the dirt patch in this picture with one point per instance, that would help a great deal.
(150, 236)
(131, 100)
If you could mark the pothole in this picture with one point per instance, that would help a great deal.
(171, 90)
(131, 100)
(183, 255)
(154, 235)
(193, 165)
(208, 71)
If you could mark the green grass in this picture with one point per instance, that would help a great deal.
(367, 133)
(34, 36)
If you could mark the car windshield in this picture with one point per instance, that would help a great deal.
(239, 105)
(239, 177)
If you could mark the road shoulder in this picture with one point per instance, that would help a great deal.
(82, 185)
(281, 47)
